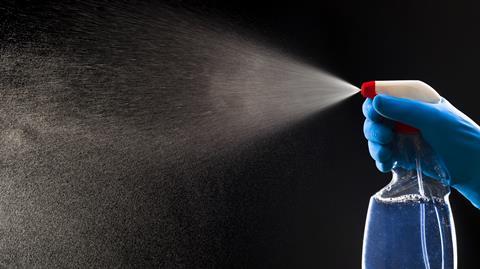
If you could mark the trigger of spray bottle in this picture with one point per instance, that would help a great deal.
(410, 89)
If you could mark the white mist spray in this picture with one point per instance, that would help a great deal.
(110, 116)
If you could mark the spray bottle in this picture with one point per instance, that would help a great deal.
(409, 222)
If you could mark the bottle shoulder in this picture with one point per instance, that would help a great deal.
(405, 186)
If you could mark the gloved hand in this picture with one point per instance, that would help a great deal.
(451, 134)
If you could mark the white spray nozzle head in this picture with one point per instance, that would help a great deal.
(410, 89)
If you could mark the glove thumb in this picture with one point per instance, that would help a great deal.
(411, 112)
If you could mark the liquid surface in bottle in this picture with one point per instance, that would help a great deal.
(409, 233)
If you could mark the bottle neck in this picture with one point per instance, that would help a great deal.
(418, 172)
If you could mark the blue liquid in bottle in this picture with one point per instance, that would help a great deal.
(409, 234)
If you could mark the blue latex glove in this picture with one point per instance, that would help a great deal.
(454, 136)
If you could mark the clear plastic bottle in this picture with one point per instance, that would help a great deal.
(409, 222)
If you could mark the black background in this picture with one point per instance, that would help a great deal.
(299, 198)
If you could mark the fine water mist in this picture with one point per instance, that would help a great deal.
(106, 110)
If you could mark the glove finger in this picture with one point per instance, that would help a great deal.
(377, 132)
(415, 113)
(384, 167)
(379, 152)
(369, 112)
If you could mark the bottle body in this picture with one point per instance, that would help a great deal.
(409, 222)
(409, 234)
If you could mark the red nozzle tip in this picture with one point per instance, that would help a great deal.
(368, 89)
